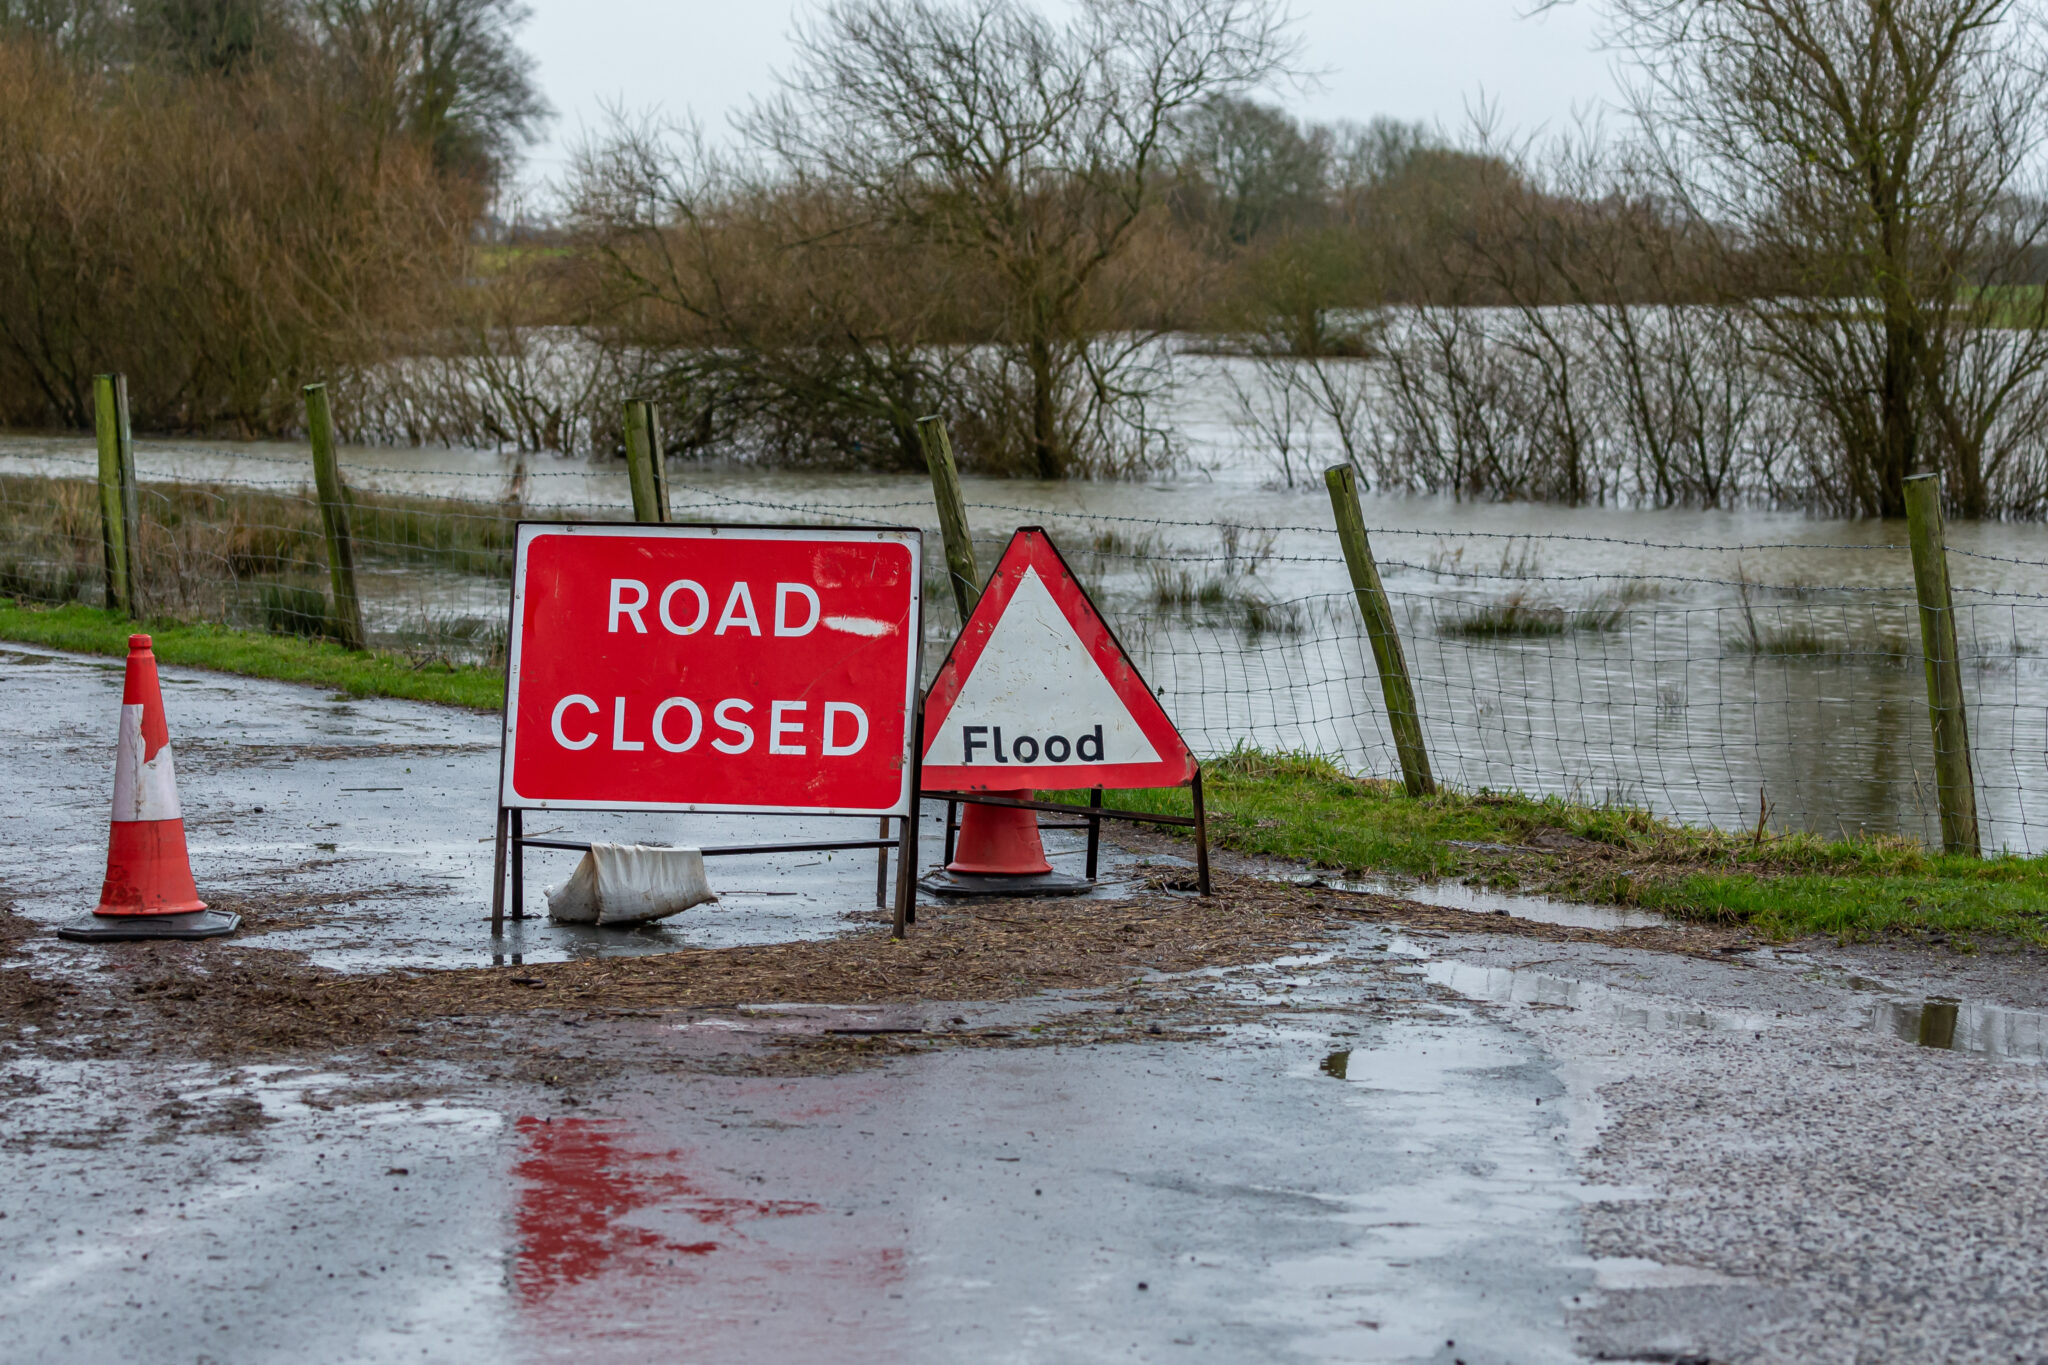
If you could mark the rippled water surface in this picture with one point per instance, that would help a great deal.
(1715, 666)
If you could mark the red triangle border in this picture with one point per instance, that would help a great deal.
(1032, 548)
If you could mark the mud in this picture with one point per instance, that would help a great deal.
(228, 998)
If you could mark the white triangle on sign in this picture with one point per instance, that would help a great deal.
(1035, 679)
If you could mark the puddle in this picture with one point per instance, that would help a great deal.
(1526, 986)
(1472, 1209)
(1955, 1026)
(581, 1212)
(1480, 901)
(1936, 1022)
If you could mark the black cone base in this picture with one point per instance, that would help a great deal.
(980, 885)
(113, 928)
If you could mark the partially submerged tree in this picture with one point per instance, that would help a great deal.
(767, 312)
(1869, 172)
(1035, 152)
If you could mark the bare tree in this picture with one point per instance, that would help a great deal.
(1865, 170)
(448, 74)
(1037, 151)
(769, 312)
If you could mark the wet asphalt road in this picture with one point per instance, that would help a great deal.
(1440, 1148)
(1219, 1202)
(381, 808)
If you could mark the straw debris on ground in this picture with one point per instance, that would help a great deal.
(223, 998)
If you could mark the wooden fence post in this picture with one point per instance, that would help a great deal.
(1379, 627)
(120, 512)
(645, 467)
(960, 566)
(341, 549)
(1954, 785)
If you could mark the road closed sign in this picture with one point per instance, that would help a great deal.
(1038, 693)
(712, 668)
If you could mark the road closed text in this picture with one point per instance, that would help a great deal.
(839, 729)
(743, 669)
(685, 609)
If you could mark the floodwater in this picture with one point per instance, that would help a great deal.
(1398, 1146)
(1480, 900)
(1947, 1023)
(1966, 1026)
(1009, 1205)
(1729, 668)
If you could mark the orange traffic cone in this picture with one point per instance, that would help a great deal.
(148, 891)
(1000, 841)
(999, 853)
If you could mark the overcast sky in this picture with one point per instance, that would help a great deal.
(1411, 59)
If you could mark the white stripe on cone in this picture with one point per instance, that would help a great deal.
(144, 788)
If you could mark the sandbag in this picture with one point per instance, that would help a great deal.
(629, 884)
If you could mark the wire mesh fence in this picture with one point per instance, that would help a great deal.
(1714, 684)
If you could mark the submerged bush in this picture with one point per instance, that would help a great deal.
(288, 609)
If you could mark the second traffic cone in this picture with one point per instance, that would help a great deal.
(1000, 841)
(148, 891)
(999, 853)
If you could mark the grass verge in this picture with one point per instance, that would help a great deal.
(1307, 810)
(89, 630)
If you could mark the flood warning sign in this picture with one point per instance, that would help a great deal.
(1038, 693)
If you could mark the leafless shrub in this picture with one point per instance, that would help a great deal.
(221, 240)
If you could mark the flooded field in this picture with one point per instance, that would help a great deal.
(1720, 667)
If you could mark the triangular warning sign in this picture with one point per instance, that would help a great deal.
(1038, 693)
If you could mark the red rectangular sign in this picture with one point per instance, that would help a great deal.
(713, 668)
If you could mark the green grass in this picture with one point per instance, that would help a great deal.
(1518, 618)
(196, 538)
(1307, 810)
(1215, 600)
(289, 658)
(1511, 618)
(2012, 306)
(1805, 641)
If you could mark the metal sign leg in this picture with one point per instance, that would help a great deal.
(906, 853)
(882, 870)
(906, 878)
(1094, 831)
(498, 879)
(1201, 839)
(518, 863)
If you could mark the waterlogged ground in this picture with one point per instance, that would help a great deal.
(1305, 1123)
(1713, 666)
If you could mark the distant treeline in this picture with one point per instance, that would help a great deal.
(1805, 262)
(950, 207)
(227, 198)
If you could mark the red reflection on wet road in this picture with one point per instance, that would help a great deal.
(581, 1179)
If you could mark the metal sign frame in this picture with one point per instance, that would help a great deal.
(1094, 813)
(1031, 552)
(510, 837)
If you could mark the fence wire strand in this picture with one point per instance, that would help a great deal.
(1792, 686)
